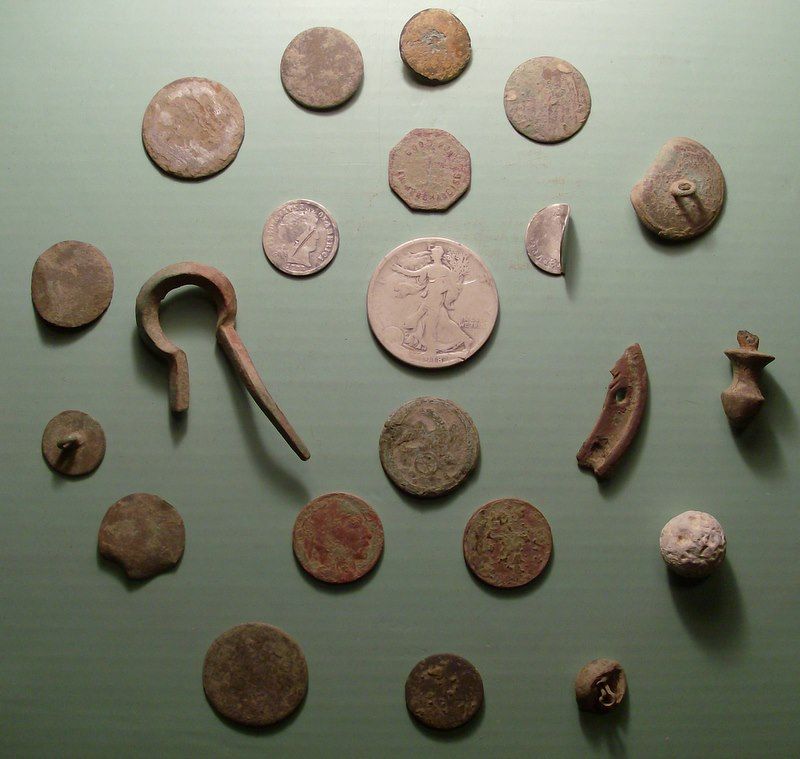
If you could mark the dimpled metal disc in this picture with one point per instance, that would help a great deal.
(73, 443)
(435, 45)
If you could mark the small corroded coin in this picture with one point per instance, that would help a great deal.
(429, 446)
(544, 238)
(73, 443)
(429, 169)
(193, 127)
(255, 674)
(547, 99)
(435, 44)
(337, 538)
(507, 543)
(72, 284)
(300, 238)
(322, 68)
(144, 534)
(444, 691)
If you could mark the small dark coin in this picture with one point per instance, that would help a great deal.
(444, 691)
(600, 686)
(322, 68)
(72, 284)
(435, 44)
(255, 674)
(507, 543)
(73, 443)
(193, 127)
(429, 446)
(144, 534)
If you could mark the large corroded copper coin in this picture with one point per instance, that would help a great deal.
(72, 284)
(444, 691)
(432, 302)
(193, 127)
(322, 68)
(507, 543)
(436, 45)
(144, 534)
(337, 538)
(73, 443)
(429, 169)
(255, 674)
(429, 446)
(547, 99)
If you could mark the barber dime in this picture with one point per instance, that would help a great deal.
(300, 238)
(432, 302)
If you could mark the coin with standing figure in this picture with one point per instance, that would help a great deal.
(300, 238)
(436, 45)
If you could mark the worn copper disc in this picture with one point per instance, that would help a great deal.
(193, 127)
(142, 533)
(429, 446)
(444, 691)
(547, 99)
(337, 538)
(322, 68)
(600, 686)
(507, 543)
(73, 443)
(436, 45)
(255, 674)
(72, 284)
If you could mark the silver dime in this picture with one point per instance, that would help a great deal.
(300, 238)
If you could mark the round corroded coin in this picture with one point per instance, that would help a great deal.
(337, 538)
(193, 127)
(322, 68)
(300, 238)
(444, 691)
(507, 543)
(432, 302)
(435, 44)
(429, 446)
(255, 674)
(547, 99)
(72, 284)
(73, 443)
(429, 169)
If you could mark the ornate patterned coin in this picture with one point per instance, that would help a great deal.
(322, 68)
(547, 99)
(193, 127)
(429, 169)
(300, 238)
(73, 443)
(436, 45)
(429, 446)
(507, 543)
(72, 284)
(337, 538)
(432, 302)
(255, 674)
(444, 691)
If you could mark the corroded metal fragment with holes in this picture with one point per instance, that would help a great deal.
(600, 686)
(743, 399)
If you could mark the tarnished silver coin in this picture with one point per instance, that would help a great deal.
(429, 446)
(544, 238)
(432, 302)
(300, 238)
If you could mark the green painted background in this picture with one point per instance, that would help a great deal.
(92, 665)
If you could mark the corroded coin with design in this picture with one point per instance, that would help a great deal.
(507, 543)
(429, 446)
(432, 302)
(337, 538)
(300, 238)
(255, 674)
(435, 44)
(444, 691)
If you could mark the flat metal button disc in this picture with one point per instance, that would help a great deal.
(436, 45)
(73, 443)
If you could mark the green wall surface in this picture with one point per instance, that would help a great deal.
(94, 665)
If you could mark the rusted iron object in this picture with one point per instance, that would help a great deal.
(600, 686)
(216, 284)
(73, 443)
(435, 45)
(743, 399)
(623, 409)
(544, 238)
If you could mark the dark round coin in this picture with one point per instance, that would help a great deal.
(72, 284)
(600, 686)
(444, 691)
(73, 443)
(435, 44)
(507, 543)
(255, 674)
(429, 446)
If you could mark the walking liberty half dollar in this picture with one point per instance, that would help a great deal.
(432, 302)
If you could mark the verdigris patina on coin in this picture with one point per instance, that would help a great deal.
(193, 127)
(337, 538)
(255, 674)
(435, 45)
(300, 238)
(432, 302)
(73, 443)
(429, 446)
(507, 543)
